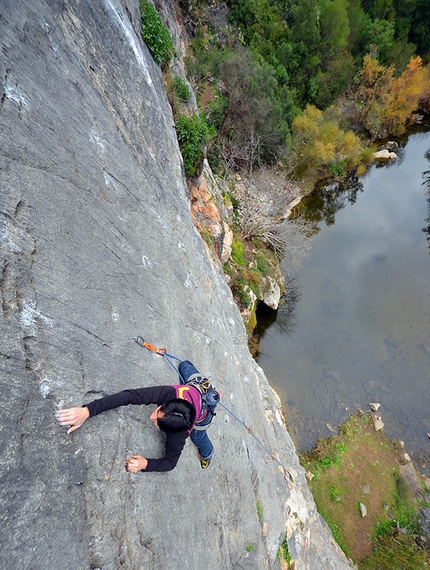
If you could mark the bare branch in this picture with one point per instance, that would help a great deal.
(263, 201)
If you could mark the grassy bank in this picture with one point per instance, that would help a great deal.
(356, 482)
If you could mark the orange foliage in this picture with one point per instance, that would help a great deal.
(384, 104)
(402, 101)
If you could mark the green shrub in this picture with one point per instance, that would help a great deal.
(335, 493)
(182, 91)
(240, 289)
(326, 462)
(156, 36)
(396, 553)
(262, 265)
(338, 167)
(178, 92)
(283, 551)
(193, 133)
(385, 528)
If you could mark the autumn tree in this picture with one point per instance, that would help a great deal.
(320, 143)
(383, 105)
(401, 102)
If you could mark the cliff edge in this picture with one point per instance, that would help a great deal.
(98, 246)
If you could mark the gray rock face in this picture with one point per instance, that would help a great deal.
(97, 246)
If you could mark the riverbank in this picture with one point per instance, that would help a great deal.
(368, 491)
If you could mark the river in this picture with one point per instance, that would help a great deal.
(355, 328)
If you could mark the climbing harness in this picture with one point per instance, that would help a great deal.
(206, 385)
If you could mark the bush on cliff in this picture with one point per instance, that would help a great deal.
(156, 36)
(193, 133)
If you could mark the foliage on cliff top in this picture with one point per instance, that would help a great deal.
(361, 465)
(265, 64)
(317, 46)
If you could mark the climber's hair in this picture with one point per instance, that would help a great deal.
(179, 416)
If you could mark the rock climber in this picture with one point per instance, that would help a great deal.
(180, 413)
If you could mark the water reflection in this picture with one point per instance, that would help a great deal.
(285, 316)
(326, 201)
(358, 329)
(426, 229)
(426, 176)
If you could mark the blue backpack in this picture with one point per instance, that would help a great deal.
(190, 375)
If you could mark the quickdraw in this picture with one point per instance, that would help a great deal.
(160, 351)
(142, 342)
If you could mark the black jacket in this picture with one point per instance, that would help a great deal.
(155, 395)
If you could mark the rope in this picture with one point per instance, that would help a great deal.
(163, 352)
(249, 430)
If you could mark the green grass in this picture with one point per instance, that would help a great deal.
(360, 465)
(238, 253)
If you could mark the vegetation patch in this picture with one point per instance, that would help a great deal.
(284, 556)
(156, 36)
(178, 92)
(309, 85)
(182, 91)
(355, 480)
(238, 253)
(300, 90)
(193, 133)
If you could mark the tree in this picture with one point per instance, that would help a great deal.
(358, 23)
(305, 60)
(192, 132)
(381, 9)
(334, 28)
(379, 36)
(402, 100)
(319, 142)
(334, 81)
(420, 27)
(383, 105)
(375, 79)
(248, 113)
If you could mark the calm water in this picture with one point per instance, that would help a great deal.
(357, 328)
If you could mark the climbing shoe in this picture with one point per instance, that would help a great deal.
(204, 463)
